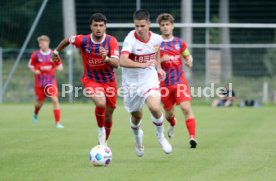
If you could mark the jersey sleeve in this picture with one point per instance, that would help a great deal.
(114, 48)
(184, 50)
(76, 40)
(32, 61)
(160, 40)
(127, 46)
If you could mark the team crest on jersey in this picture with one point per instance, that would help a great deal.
(40, 59)
(176, 46)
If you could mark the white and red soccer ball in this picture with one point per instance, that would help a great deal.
(100, 155)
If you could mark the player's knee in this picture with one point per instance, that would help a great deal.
(169, 115)
(108, 117)
(136, 117)
(55, 100)
(100, 104)
(154, 108)
(39, 103)
(186, 109)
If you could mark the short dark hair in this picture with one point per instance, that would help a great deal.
(165, 17)
(141, 15)
(98, 17)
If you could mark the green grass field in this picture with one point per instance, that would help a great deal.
(234, 144)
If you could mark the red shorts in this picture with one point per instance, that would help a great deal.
(109, 90)
(50, 91)
(175, 95)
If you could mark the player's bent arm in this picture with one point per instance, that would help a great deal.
(158, 60)
(159, 69)
(189, 61)
(114, 62)
(33, 70)
(64, 43)
(188, 58)
(127, 63)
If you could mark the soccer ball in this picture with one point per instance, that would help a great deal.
(100, 155)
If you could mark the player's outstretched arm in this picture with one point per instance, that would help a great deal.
(64, 43)
(127, 63)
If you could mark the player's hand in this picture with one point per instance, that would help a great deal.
(103, 52)
(55, 57)
(37, 72)
(149, 64)
(161, 74)
(165, 58)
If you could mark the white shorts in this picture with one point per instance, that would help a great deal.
(137, 92)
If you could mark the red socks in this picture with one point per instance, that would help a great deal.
(172, 121)
(108, 126)
(100, 116)
(57, 115)
(191, 126)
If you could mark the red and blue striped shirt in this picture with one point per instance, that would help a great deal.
(43, 62)
(95, 69)
(174, 48)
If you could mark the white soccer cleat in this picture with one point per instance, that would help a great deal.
(171, 131)
(59, 126)
(166, 146)
(101, 136)
(139, 147)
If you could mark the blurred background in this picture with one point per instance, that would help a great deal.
(232, 41)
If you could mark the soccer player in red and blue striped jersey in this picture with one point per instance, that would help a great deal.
(100, 54)
(45, 84)
(175, 88)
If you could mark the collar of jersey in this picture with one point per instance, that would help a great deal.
(45, 53)
(138, 38)
(168, 40)
(97, 42)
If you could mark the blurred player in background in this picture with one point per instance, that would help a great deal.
(45, 83)
(140, 58)
(226, 98)
(172, 50)
(100, 54)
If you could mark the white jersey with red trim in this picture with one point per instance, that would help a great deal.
(140, 51)
(139, 83)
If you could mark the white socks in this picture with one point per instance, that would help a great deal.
(135, 128)
(101, 135)
(158, 122)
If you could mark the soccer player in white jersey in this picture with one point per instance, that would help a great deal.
(140, 59)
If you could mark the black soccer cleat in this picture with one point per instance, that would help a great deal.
(193, 143)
